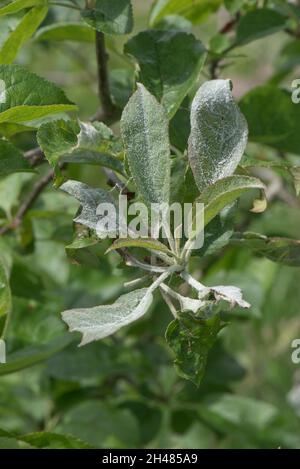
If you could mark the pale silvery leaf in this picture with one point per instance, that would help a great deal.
(219, 133)
(102, 321)
(89, 198)
(144, 128)
(231, 294)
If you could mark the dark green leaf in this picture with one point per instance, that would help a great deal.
(276, 126)
(282, 250)
(110, 17)
(11, 159)
(259, 23)
(32, 355)
(48, 440)
(169, 64)
(191, 339)
(100, 424)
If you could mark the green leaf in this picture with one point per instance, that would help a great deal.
(8, 129)
(169, 64)
(194, 10)
(18, 5)
(10, 189)
(102, 321)
(259, 23)
(229, 411)
(101, 424)
(86, 251)
(32, 355)
(191, 339)
(23, 32)
(48, 440)
(224, 192)
(28, 97)
(145, 243)
(52, 440)
(76, 32)
(144, 129)
(277, 126)
(174, 22)
(77, 142)
(89, 199)
(11, 159)
(218, 133)
(110, 17)
(282, 250)
(233, 6)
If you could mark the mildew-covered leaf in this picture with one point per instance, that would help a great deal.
(169, 64)
(89, 199)
(219, 133)
(110, 17)
(102, 321)
(144, 128)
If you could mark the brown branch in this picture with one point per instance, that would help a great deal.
(214, 66)
(294, 33)
(28, 202)
(34, 156)
(108, 113)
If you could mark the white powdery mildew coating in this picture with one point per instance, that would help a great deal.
(89, 198)
(102, 321)
(144, 129)
(219, 133)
